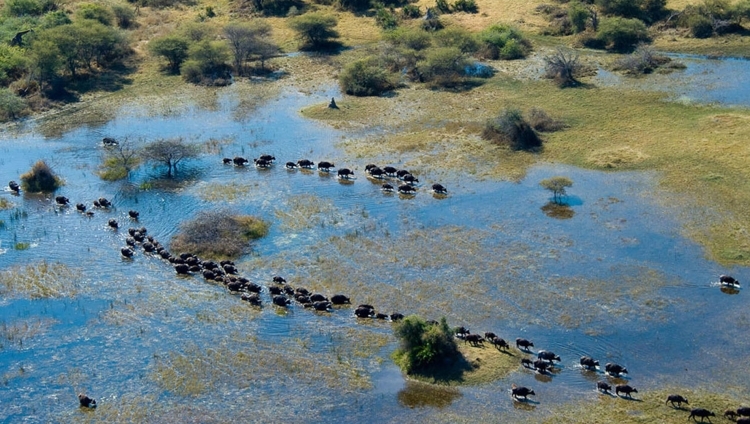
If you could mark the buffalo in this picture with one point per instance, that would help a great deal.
(304, 163)
(345, 173)
(547, 356)
(133, 214)
(523, 344)
(625, 388)
(339, 299)
(615, 369)
(589, 362)
(602, 386)
(439, 189)
(281, 300)
(406, 189)
(701, 413)
(240, 161)
(387, 188)
(291, 165)
(62, 200)
(474, 339)
(86, 402)
(127, 252)
(113, 223)
(521, 391)
(397, 317)
(14, 187)
(678, 399)
(362, 312)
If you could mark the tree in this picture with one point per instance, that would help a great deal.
(444, 65)
(579, 15)
(96, 12)
(248, 41)
(45, 61)
(11, 106)
(423, 344)
(170, 152)
(119, 160)
(563, 67)
(315, 29)
(173, 48)
(557, 186)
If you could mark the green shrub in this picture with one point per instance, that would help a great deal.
(541, 121)
(385, 18)
(423, 345)
(579, 15)
(40, 178)
(409, 38)
(457, 37)
(468, 6)
(96, 12)
(191, 71)
(24, 8)
(411, 11)
(12, 63)
(54, 19)
(315, 29)
(511, 129)
(124, 15)
(353, 5)
(11, 106)
(493, 42)
(621, 34)
(443, 66)
(442, 6)
(700, 26)
(622, 8)
(364, 78)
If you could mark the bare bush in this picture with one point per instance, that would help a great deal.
(40, 178)
(564, 67)
(543, 122)
(218, 234)
(170, 152)
(510, 128)
(642, 61)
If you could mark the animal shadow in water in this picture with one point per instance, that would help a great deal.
(631, 399)
(544, 377)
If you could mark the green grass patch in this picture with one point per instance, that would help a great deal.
(22, 245)
(477, 365)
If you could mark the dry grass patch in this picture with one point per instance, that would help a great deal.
(230, 192)
(218, 234)
(40, 280)
(481, 365)
(5, 204)
(619, 157)
(305, 211)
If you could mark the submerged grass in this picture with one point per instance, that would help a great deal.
(646, 407)
(16, 333)
(305, 211)
(40, 280)
(5, 204)
(229, 192)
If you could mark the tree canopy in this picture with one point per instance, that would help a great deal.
(170, 152)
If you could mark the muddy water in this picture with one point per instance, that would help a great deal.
(616, 281)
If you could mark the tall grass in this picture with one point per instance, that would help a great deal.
(40, 280)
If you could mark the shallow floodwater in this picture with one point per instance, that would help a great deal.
(723, 81)
(616, 281)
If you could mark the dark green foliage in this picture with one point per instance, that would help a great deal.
(503, 42)
(557, 186)
(40, 178)
(315, 29)
(409, 38)
(468, 6)
(12, 63)
(579, 15)
(197, 31)
(210, 12)
(411, 11)
(621, 34)
(457, 37)
(173, 48)
(443, 66)
(423, 345)
(646, 10)
(511, 129)
(442, 6)
(124, 15)
(11, 106)
(209, 58)
(87, 43)
(385, 17)
(45, 61)
(54, 19)
(27, 7)
(701, 26)
(365, 78)
(96, 12)
(353, 5)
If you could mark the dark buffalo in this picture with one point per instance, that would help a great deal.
(182, 269)
(625, 388)
(234, 286)
(130, 241)
(62, 200)
(728, 280)
(85, 401)
(240, 161)
(701, 413)
(527, 363)
(291, 165)
(499, 343)
(262, 163)
(304, 163)
(325, 166)
(390, 171)
(275, 290)
(80, 207)
(317, 297)
(588, 362)
(387, 188)
(730, 414)
(474, 339)
(406, 189)
(489, 335)
(615, 369)
(253, 298)
(410, 179)
(743, 411)
(339, 299)
(301, 298)
(288, 290)
(302, 290)
(400, 173)
(397, 317)
(361, 312)
(603, 386)
(678, 399)
(133, 214)
(104, 203)
(364, 305)
(127, 252)
(148, 247)
(109, 142)
(377, 173)
(14, 187)
(439, 189)
(322, 306)
(523, 344)
(227, 161)
(369, 167)
(279, 279)
(267, 158)
(113, 223)
(743, 421)
(547, 356)
(541, 365)
(521, 391)
(281, 300)
(381, 316)
(345, 173)
(230, 269)
(208, 274)
(252, 287)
